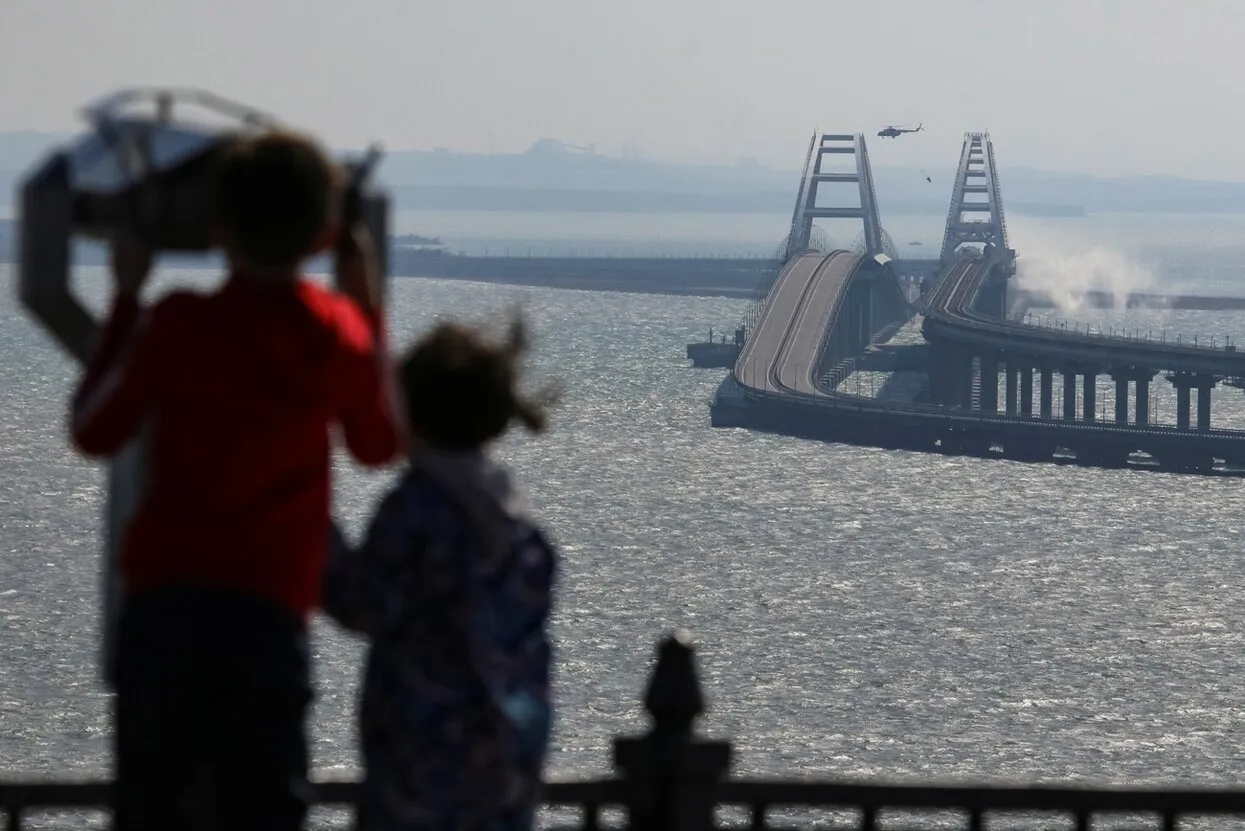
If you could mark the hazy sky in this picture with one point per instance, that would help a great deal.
(1101, 86)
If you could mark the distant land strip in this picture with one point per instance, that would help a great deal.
(539, 200)
(731, 277)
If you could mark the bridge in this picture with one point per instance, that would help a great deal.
(827, 312)
(961, 331)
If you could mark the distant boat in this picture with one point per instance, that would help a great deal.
(916, 242)
(416, 240)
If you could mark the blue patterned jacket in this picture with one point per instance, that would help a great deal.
(453, 587)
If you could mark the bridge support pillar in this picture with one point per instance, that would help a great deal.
(869, 315)
(943, 374)
(1121, 399)
(956, 377)
(1069, 395)
(1205, 383)
(990, 384)
(1046, 385)
(1089, 398)
(964, 383)
(1012, 381)
(1143, 400)
(1026, 390)
(862, 326)
(937, 374)
(1183, 383)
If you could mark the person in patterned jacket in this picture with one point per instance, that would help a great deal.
(453, 585)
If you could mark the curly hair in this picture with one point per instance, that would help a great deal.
(461, 386)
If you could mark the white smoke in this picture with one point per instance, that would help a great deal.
(1067, 268)
(1067, 278)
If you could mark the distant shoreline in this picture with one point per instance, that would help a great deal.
(728, 277)
(546, 200)
(738, 278)
(553, 176)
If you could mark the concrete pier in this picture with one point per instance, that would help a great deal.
(990, 385)
(1012, 380)
(1069, 395)
(1026, 390)
(964, 381)
(1047, 382)
(1089, 398)
(1205, 384)
(1183, 384)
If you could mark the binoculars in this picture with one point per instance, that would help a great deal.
(140, 169)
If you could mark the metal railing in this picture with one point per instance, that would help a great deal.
(1120, 332)
(671, 778)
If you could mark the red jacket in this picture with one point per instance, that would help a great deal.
(236, 393)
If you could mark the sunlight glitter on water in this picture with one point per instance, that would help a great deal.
(860, 611)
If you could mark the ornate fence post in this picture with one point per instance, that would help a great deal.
(673, 774)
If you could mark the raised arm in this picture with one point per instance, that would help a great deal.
(369, 417)
(365, 588)
(114, 396)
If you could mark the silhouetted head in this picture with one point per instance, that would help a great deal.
(461, 386)
(275, 202)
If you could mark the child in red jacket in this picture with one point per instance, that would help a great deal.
(235, 393)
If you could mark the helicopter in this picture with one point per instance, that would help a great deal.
(895, 132)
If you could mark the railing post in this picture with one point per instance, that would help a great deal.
(672, 773)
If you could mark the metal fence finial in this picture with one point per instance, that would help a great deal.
(673, 698)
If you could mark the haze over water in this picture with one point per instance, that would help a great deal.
(860, 612)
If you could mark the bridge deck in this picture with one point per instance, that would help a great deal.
(754, 369)
(797, 365)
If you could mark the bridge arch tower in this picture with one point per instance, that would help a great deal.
(976, 212)
(820, 170)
